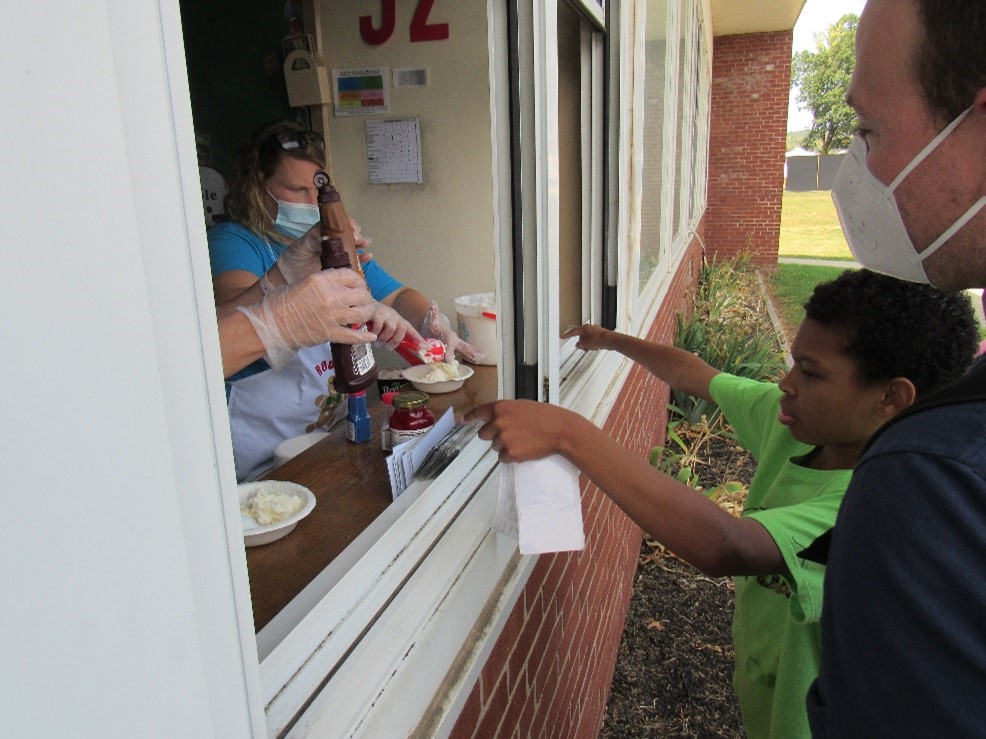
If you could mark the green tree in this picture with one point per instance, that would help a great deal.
(822, 79)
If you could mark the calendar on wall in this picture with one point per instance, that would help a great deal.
(393, 151)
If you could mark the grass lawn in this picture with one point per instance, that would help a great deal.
(810, 227)
(792, 285)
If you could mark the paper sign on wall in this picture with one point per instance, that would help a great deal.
(393, 151)
(360, 91)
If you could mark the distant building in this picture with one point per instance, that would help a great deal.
(805, 170)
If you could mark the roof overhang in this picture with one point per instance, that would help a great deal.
(731, 17)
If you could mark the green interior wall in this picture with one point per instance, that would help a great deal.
(226, 44)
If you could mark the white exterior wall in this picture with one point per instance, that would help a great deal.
(112, 471)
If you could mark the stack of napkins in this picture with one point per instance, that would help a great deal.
(539, 504)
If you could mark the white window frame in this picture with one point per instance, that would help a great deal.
(394, 622)
(594, 140)
(683, 103)
(699, 194)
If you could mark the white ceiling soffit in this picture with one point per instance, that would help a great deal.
(754, 16)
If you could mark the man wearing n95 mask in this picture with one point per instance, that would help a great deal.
(911, 191)
(903, 646)
(872, 221)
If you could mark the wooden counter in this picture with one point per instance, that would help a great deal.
(351, 487)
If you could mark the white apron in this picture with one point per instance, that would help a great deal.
(269, 407)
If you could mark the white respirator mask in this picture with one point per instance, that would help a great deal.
(871, 219)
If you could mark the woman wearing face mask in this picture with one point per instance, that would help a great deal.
(272, 240)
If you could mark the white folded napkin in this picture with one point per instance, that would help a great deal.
(539, 504)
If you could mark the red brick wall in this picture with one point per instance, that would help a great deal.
(751, 76)
(549, 673)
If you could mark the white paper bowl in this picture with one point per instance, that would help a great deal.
(291, 448)
(253, 533)
(417, 374)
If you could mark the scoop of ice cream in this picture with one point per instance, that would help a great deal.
(267, 507)
(442, 372)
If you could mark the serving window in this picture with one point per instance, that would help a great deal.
(542, 181)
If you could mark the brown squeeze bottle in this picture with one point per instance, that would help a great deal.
(335, 220)
(355, 367)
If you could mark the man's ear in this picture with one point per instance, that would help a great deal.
(899, 394)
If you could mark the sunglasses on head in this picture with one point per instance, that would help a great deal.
(294, 140)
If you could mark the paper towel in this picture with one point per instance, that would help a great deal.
(539, 504)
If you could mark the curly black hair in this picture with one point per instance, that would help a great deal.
(898, 329)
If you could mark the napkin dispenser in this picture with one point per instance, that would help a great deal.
(307, 80)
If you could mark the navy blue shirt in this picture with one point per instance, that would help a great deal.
(904, 607)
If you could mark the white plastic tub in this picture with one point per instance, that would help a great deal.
(476, 315)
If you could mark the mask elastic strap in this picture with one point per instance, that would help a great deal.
(932, 145)
(950, 232)
(273, 219)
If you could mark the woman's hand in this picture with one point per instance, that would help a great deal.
(390, 327)
(302, 258)
(438, 326)
(315, 310)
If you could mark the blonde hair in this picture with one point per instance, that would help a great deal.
(256, 161)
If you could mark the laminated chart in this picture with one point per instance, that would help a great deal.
(361, 91)
(393, 151)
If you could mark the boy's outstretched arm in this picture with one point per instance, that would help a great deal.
(678, 516)
(680, 369)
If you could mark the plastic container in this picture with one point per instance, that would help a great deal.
(392, 381)
(411, 417)
(355, 366)
(358, 419)
(387, 401)
(476, 316)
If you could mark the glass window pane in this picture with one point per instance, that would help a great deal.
(682, 160)
(570, 170)
(655, 61)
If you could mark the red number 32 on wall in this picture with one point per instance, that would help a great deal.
(421, 30)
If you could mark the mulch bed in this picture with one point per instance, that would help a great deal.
(675, 662)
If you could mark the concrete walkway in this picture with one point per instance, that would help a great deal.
(811, 261)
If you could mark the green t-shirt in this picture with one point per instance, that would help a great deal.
(775, 624)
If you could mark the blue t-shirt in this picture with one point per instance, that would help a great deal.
(233, 246)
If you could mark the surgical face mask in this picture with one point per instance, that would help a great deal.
(294, 219)
(871, 220)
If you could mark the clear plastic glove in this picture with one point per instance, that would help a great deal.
(438, 326)
(302, 258)
(390, 327)
(312, 312)
(362, 242)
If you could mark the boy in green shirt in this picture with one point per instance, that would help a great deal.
(868, 347)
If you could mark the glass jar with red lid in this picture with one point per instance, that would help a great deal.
(411, 417)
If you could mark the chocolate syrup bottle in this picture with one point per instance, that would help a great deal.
(335, 220)
(355, 367)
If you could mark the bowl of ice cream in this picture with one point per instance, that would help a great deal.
(270, 509)
(438, 377)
